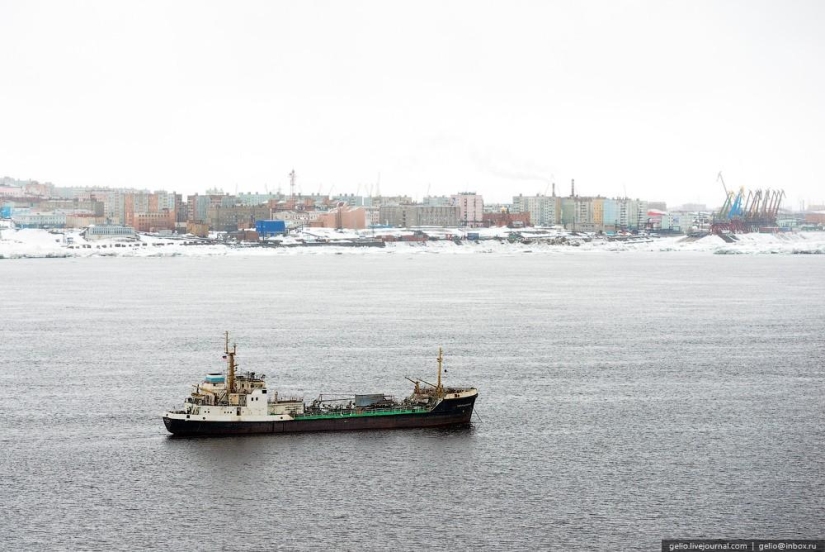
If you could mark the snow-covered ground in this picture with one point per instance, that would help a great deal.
(28, 243)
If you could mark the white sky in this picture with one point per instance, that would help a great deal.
(651, 99)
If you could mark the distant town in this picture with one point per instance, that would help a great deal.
(32, 204)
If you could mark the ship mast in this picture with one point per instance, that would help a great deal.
(230, 372)
(438, 388)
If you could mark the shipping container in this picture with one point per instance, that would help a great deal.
(270, 227)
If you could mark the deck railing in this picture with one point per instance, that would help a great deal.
(353, 413)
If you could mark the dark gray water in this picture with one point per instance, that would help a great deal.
(625, 398)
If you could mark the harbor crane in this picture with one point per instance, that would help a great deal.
(747, 211)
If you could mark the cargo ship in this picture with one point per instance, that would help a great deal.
(234, 403)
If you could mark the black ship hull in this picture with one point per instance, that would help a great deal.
(449, 412)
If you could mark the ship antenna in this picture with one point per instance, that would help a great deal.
(230, 375)
(438, 388)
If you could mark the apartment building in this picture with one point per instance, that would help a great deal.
(470, 209)
(411, 216)
(543, 210)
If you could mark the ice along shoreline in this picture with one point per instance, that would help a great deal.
(33, 243)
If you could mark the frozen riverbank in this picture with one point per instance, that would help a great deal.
(30, 243)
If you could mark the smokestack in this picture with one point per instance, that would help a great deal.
(554, 189)
(573, 187)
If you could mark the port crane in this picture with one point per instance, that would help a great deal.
(746, 211)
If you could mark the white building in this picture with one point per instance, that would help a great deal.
(543, 209)
(28, 219)
(108, 231)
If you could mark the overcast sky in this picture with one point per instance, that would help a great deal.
(648, 99)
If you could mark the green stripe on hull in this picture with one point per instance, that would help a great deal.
(358, 415)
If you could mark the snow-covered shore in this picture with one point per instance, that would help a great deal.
(30, 243)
